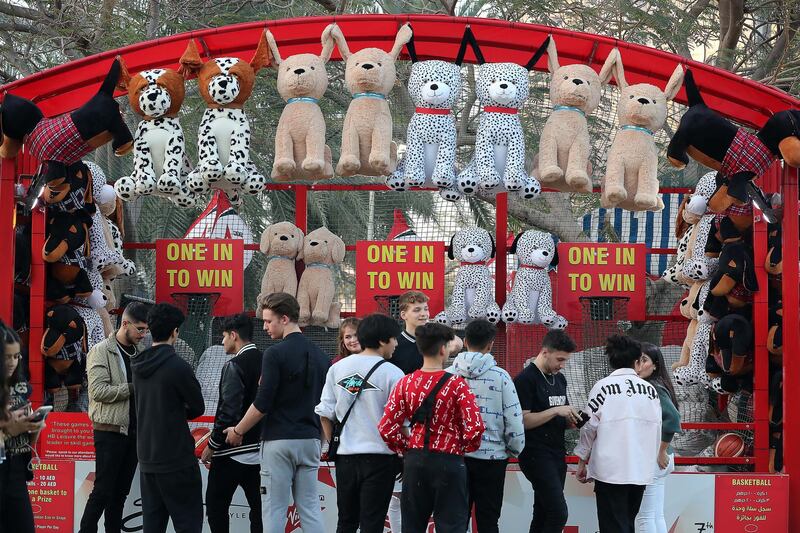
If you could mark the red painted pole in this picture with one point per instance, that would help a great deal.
(791, 344)
(8, 209)
(500, 235)
(301, 207)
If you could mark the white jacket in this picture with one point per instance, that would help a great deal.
(620, 441)
(360, 434)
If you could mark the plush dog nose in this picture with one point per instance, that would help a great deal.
(367, 66)
(434, 86)
(643, 100)
(545, 253)
(299, 70)
(284, 238)
(313, 243)
(504, 86)
(576, 81)
(470, 249)
(223, 83)
(152, 97)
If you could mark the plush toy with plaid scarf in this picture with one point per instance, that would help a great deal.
(737, 155)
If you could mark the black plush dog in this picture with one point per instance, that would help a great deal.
(737, 155)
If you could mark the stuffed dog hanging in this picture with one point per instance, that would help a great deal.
(300, 149)
(631, 179)
(160, 160)
(575, 92)
(472, 296)
(367, 146)
(531, 297)
(434, 87)
(61, 141)
(322, 251)
(499, 159)
(225, 83)
(738, 155)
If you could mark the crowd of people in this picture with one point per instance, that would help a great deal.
(411, 437)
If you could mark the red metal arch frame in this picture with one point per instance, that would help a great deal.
(61, 89)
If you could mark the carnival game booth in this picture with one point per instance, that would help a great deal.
(543, 200)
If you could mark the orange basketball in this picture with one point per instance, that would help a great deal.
(729, 445)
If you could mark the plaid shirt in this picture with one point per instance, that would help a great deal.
(747, 154)
(74, 200)
(741, 294)
(57, 139)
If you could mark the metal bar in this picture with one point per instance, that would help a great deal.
(791, 344)
(38, 288)
(500, 257)
(8, 210)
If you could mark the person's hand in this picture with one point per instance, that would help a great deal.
(208, 453)
(231, 437)
(663, 459)
(581, 474)
(570, 413)
(455, 346)
(19, 423)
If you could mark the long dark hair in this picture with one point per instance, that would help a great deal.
(8, 336)
(660, 374)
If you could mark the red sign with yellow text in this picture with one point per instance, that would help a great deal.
(751, 503)
(601, 270)
(52, 496)
(201, 266)
(390, 268)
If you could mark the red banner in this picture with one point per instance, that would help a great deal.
(390, 268)
(67, 436)
(51, 493)
(201, 266)
(601, 270)
(751, 503)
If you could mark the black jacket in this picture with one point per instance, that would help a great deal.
(167, 395)
(237, 390)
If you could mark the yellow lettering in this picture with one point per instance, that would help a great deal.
(373, 254)
(628, 282)
(423, 254)
(602, 256)
(371, 276)
(427, 281)
(384, 280)
(574, 256)
(223, 252)
(226, 278)
(173, 251)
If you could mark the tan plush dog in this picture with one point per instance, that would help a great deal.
(281, 243)
(575, 92)
(321, 251)
(631, 179)
(300, 149)
(367, 146)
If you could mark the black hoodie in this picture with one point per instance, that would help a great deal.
(167, 395)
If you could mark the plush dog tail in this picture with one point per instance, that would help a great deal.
(692, 92)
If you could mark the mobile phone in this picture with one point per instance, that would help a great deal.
(584, 418)
(40, 414)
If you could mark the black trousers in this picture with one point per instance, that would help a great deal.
(115, 466)
(486, 480)
(177, 495)
(364, 484)
(546, 473)
(16, 514)
(225, 476)
(617, 506)
(434, 483)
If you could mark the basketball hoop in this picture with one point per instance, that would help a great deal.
(195, 303)
(388, 305)
(604, 307)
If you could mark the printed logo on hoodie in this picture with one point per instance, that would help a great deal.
(352, 382)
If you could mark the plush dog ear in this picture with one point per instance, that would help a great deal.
(300, 240)
(538, 54)
(301, 251)
(112, 78)
(552, 55)
(338, 250)
(265, 240)
(338, 37)
(404, 35)
(450, 250)
(613, 67)
(273, 47)
(263, 55)
(693, 95)
(190, 61)
(473, 43)
(554, 262)
(513, 248)
(328, 43)
(494, 248)
(124, 75)
(674, 83)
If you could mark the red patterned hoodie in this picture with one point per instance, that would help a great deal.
(456, 424)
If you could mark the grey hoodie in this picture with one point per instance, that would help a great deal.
(497, 399)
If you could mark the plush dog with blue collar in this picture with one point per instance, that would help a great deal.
(300, 149)
(370, 73)
(631, 179)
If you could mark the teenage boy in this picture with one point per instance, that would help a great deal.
(365, 466)
(112, 411)
(443, 428)
(546, 415)
(500, 410)
(292, 376)
(240, 466)
(620, 441)
(167, 395)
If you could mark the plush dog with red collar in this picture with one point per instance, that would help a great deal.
(737, 155)
(160, 161)
(61, 141)
(225, 83)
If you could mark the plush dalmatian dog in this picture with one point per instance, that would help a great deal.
(430, 155)
(160, 160)
(94, 325)
(672, 273)
(695, 372)
(531, 297)
(697, 266)
(472, 295)
(224, 134)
